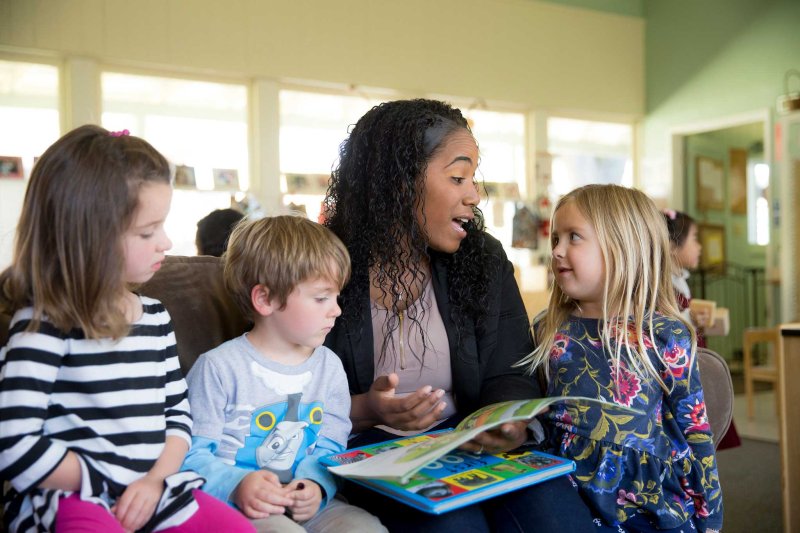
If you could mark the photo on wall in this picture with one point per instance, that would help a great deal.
(11, 167)
(226, 179)
(712, 239)
(307, 183)
(710, 179)
(737, 181)
(184, 177)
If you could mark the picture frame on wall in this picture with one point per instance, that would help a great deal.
(11, 167)
(225, 179)
(738, 181)
(712, 239)
(500, 191)
(710, 183)
(307, 183)
(184, 177)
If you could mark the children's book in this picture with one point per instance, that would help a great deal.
(718, 317)
(428, 472)
(721, 325)
(704, 307)
(459, 477)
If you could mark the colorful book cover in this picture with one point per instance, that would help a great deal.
(402, 462)
(458, 477)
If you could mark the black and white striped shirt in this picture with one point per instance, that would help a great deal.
(111, 402)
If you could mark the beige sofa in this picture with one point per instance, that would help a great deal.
(204, 316)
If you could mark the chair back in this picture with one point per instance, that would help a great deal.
(203, 314)
(753, 336)
(767, 372)
(718, 390)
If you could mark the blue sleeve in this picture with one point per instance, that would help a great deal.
(335, 428)
(310, 467)
(686, 401)
(221, 478)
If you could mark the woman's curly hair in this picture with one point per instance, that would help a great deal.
(371, 203)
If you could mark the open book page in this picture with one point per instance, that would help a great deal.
(717, 319)
(403, 462)
(703, 312)
(721, 323)
(459, 477)
(706, 307)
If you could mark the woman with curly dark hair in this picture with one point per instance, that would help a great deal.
(432, 319)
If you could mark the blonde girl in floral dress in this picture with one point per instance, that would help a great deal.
(613, 331)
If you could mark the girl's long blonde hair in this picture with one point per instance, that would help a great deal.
(636, 253)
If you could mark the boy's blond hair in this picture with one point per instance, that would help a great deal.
(636, 251)
(281, 252)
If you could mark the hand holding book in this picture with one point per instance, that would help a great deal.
(428, 472)
(507, 436)
(403, 462)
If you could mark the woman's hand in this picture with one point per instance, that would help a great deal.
(415, 411)
(500, 439)
(137, 504)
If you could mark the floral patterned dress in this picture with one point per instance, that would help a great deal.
(660, 463)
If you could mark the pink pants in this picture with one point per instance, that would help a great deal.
(77, 516)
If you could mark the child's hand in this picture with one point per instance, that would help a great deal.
(137, 504)
(307, 497)
(260, 494)
(500, 439)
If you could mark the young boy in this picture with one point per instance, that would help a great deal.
(268, 404)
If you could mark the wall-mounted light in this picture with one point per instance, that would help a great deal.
(790, 100)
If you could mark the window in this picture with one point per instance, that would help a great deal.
(30, 123)
(587, 152)
(313, 125)
(758, 203)
(196, 124)
(501, 139)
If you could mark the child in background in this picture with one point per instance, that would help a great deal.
(612, 331)
(268, 404)
(214, 230)
(685, 246)
(93, 410)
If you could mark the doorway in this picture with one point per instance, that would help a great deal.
(722, 178)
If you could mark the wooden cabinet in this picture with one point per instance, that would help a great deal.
(789, 430)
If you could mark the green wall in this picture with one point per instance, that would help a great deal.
(717, 145)
(710, 59)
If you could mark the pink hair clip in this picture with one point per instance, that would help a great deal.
(119, 133)
(670, 213)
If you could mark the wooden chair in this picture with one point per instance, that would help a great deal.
(766, 372)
